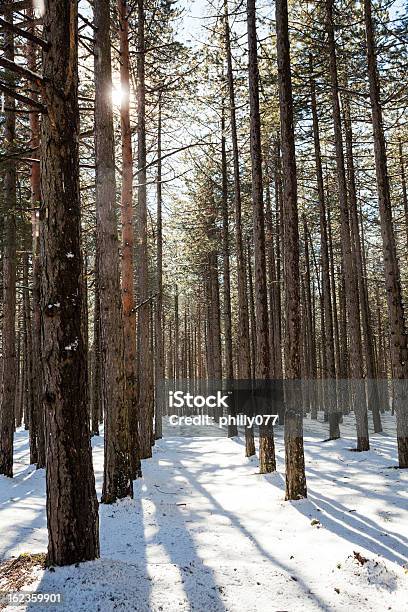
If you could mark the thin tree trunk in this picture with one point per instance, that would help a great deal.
(277, 290)
(145, 373)
(334, 295)
(96, 388)
(294, 456)
(244, 361)
(228, 357)
(117, 481)
(213, 299)
(328, 347)
(251, 308)
(9, 278)
(271, 267)
(267, 461)
(37, 424)
(126, 201)
(352, 298)
(160, 365)
(396, 314)
(19, 399)
(176, 335)
(404, 189)
(29, 360)
(373, 395)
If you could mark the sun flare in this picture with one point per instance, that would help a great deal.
(117, 95)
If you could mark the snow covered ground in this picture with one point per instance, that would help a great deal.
(206, 532)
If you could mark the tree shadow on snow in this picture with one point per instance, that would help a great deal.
(119, 580)
(354, 527)
(219, 510)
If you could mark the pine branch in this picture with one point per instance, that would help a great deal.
(24, 99)
(16, 6)
(28, 74)
(25, 34)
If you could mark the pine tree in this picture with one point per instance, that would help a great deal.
(294, 457)
(117, 475)
(72, 508)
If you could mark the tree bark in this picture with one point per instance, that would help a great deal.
(128, 300)
(294, 456)
(267, 462)
(373, 394)
(96, 387)
(404, 190)
(117, 481)
(352, 298)
(396, 314)
(72, 508)
(145, 373)
(251, 307)
(28, 364)
(227, 317)
(277, 290)
(244, 361)
(160, 365)
(37, 426)
(213, 294)
(9, 280)
(36, 417)
(330, 370)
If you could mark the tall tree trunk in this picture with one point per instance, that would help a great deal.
(170, 353)
(373, 395)
(328, 348)
(267, 462)
(96, 386)
(19, 399)
(117, 481)
(277, 289)
(72, 508)
(404, 190)
(9, 278)
(251, 307)
(29, 360)
(244, 361)
(37, 424)
(382, 366)
(333, 294)
(306, 326)
(200, 375)
(345, 340)
(274, 294)
(228, 357)
(176, 334)
(396, 314)
(213, 292)
(314, 386)
(352, 298)
(126, 201)
(145, 374)
(160, 366)
(294, 456)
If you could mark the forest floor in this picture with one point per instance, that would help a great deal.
(207, 532)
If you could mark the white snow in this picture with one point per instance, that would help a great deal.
(72, 346)
(206, 532)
